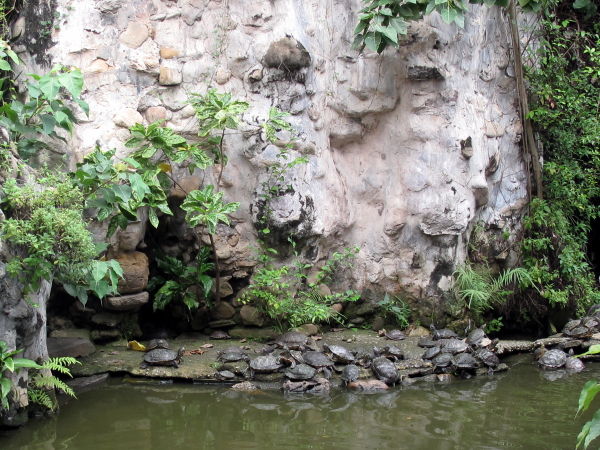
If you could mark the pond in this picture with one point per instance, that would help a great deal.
(522, 408)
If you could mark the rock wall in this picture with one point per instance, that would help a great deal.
(407, 150)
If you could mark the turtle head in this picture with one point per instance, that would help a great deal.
(180, 353)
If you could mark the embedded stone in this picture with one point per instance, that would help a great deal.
(287, 54)
(493, 130)
(482, 196)
(190, 14)
(135, 272)
(127, 118)
(108, 319)
(168, 53)
(109, 5)
(418, 331)
(421, 73)
(378, 323)
(221, 323)
(310, 329)
(222, 311)
(156, 113)
(105, 335)
(185, 186)
(255, 75)
(135, 35)
(71, 333)
(225, 289)
(169, 77)
(251, 316)
(127, 302)
(97, 66)
(82, 384)
(222, 76)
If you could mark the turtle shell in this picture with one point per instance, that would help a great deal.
(488, 358)
(475, 337)
(350, 373)
(427, 343)
(385, 370)
(393, 352)
(317, 359)
(553, 359)
(444, 333)
(162, 357)
(574, 364)
(395, 335)
(225, 375)
(266, 363)
(338, 353)
(431, 353)
(362, 357)
(464, 361)
(158, 343)
(300, 372)
(442, 360)
(232, 354)
(292, 340)
(453, 346)
(219, 335)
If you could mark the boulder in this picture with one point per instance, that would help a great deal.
(83, 384)
(251, 316)
(135, 272)
(221, 323)
(310, 329)
(127, 302)
(71, 333)
(287, 54)
(135, 35)
(156, 113)
(73, 347)
(108, 319)
(222, 311)
(105, 335)
(127, 118)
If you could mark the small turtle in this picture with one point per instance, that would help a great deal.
(219, 335)
(453, 346)
(319, 361)
(392, 352)
(266, 363)
(362, 357)
(444, 333)
(475, 337)
(488, 358)
(224, 375)
(395, 335)
(574, 364)
(232, 354)
(431, 353)
(293, 341)
(427, 342)
(442, 361)
(158, 343)
(552, 359)
(162, 357)
(300, 372)
(350, 373)
(539, 352)
(464, 363)
(384, 369)
(337, 353)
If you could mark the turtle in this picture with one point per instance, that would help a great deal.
(395, 335)
(574, 364)
(219, 335)
(300, 372)
(392, 352)
(579, 329)
(444, 333)
(232, 354)
(266, 363)
(158, 343)
(163, 357)
(427, 342)
(362, 357)
(475, 337)
(442, 361)
(384, 369)
(319, 361)
(453, 346)
(539, 352)
(552, 359)
(464, 362)
(593, 311)
(292, 340)
(350, 373)
(337, 353)
(224, 375)
(431, 353)
(488, 358)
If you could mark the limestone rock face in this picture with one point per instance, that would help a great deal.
(406, 150)
(135, 272)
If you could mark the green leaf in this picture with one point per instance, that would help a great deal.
(588, 393)
(5, 387)
(122, 191)
(50, 86)
(372, 41)
(594, 429)
(153, 217)
(4, 65)
(448, 14)
(26, 363)
(99, 270)
(9, 364)
(72, 81)
(48, 123)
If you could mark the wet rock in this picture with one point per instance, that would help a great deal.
(430, 378)
(222, 311)
(290, 386)
(287, 54)
(83, 384)
(444, 377)
(368, 385)
(107, 319)
(508, 347)
(73, 347)
(244, 386)
(127, 302)
(251, 316)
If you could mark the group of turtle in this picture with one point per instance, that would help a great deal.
(451, 354)
(159, 353)
(308, 369)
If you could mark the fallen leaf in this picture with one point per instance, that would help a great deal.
(316, 338)
(114, 353)
(242, 341)
(207, 346)
(195, 351)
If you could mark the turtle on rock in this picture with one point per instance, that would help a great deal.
(162, 357)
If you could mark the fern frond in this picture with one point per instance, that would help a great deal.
(41, 398)
(49, 381)
(59, 364)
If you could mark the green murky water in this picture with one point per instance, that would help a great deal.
(523, 408)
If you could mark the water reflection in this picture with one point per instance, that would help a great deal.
(525, 408)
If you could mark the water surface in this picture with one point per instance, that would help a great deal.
(523, 408)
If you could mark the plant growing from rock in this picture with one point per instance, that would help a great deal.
(42, 381)
(395, 308)
(10, 364)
